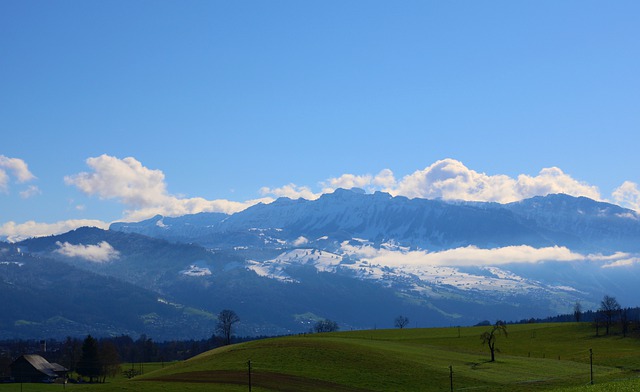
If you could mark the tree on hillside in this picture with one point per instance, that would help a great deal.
(609, 307)
(226, 319)
(71, 351)
(401, 321)
(325, 326)
(577, 311)
(89, 364)
(109, 359)
(489, 337)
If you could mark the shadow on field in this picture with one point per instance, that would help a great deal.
(267, 380)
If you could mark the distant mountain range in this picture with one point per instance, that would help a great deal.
(579, 223)
(359, 259)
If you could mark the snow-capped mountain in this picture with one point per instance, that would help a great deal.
(362, 259)
(580, 224)
(544, 252)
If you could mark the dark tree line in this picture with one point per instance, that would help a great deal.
(68, 353)
(610, 316)
(120, 349)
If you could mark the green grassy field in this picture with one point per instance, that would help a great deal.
(534, 357)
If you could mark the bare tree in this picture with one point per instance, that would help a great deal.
(401, 321)
(609, 307)
(489, 337)
(325, 326)
(226, 319)
(109, 359)
(577, 311)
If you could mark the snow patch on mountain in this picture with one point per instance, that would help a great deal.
(424, 277)
(195, 270)
(11, 263)
(270, 269)
(420, 278)
(276, 268)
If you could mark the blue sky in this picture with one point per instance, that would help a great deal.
(214, 105)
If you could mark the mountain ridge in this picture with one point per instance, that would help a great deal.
(361, 259)
(423, 223)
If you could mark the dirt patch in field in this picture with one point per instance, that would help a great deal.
(267, 380)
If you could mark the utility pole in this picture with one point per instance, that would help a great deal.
(249, 368)
(451, 378)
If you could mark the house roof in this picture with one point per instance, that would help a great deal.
(56, 367)
(44, 366)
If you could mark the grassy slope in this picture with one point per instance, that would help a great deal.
(533, 357)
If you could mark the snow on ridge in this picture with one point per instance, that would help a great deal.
(270, 270)
(19, 264)
(628, 215)
(420, 278)
(194, 270)
(323, 261)
(276, 268)
(566, 288)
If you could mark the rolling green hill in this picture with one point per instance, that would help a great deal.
(532, 357)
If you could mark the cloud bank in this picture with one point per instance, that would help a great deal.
(14, 232)
(144, 190)
(101, 253)
(449, 179)
(474, 256)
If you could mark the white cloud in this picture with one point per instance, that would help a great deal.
(291, 191)
(450, 179)
(100, 253)
(474, 256)
(384, 179)
(553, 180)
(125, 179)
(17, 168)
(14, 232)
(348, 181)
(627, 195)
(466, 256)
(300, 241)
(4, 181)
(31, 191)
(625, 262)
(144, 190)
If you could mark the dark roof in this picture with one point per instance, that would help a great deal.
(56, 367)
(44, 366)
